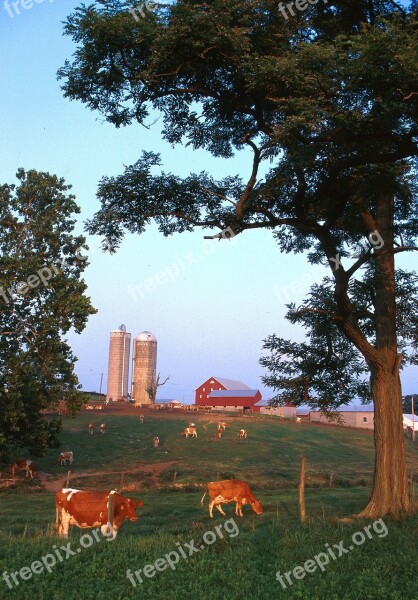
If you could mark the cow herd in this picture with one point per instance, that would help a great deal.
(191, 431)
(108, 510)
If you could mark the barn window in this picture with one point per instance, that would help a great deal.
(364, 419)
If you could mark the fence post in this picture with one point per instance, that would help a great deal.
(302, 511)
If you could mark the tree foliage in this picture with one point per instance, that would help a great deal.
(42, 298)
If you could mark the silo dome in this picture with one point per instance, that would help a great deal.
(145, 336)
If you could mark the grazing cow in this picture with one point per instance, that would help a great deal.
(22, 464)
(242, 434)
(63, 457)
(102, 428)
(223, 425)
(91, 428)
(141, 418)
(90, 509)
(231, 490)
(189, 432)
(156, 442)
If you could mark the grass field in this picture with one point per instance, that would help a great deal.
(244, 561)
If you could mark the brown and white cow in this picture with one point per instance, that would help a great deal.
(242, 434)
(63, 457)
(189, 432)
(223, 424)
(231, 490)
(91, 509)
(21, 464)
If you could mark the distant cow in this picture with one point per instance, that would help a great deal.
(242, 434)
(223, 425)
(156, 442)
(90, 509)
(102, 428)
(231, 490)
(189, 432)
(63, 457)
(21, 464)
(91, 428)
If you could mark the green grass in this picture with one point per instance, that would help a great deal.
(234, 568)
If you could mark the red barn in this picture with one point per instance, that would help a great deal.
(227, 394)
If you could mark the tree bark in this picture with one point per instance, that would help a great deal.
(390, 488)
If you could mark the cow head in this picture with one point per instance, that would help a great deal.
(256, 506)
(128, 507)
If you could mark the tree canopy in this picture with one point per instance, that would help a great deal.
(42, 296)
(327, 104)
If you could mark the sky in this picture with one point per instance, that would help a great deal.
(210, 304)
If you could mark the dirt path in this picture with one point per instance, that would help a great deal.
(57, 483)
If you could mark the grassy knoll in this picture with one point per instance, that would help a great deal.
(239, 567)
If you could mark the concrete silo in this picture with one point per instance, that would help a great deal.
(118, 370)
(144, 366)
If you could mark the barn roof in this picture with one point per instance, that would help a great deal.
(247, 393)
(350, 407)
(231, 384)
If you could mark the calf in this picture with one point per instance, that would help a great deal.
(231, 490)
(63, 457)
(21, 464)
(91, 509)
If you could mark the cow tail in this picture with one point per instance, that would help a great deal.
(203, 497)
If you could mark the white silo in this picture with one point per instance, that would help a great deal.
(144, 366)
(118, 370)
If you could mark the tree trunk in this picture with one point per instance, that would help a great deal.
(390, 487)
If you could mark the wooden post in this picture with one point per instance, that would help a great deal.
(68, 479)
(302, 511)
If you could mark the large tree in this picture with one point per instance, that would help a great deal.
(327, 103)
(41, 298)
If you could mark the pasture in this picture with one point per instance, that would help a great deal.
(168, 479)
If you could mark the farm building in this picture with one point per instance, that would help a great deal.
(352, 415)
(287, 411)
(410, 421)
(227, 394)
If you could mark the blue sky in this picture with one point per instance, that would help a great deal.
(210, 304)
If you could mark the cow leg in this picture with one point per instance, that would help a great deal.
(219, 507)
(65, 523)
